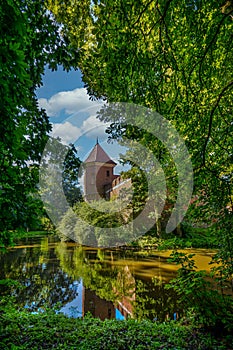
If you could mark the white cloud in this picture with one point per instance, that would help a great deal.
(69, 101)
(74, 125)
(66, 131)
(69, 133)
(93, 127)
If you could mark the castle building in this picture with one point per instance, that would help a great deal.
(99, 173)
(99, 178)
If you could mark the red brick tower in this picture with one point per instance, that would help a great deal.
(98, 174)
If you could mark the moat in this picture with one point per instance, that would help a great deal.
(107, 283)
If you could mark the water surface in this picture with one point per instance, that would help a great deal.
(107, 283)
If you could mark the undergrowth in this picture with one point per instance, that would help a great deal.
(22, 330)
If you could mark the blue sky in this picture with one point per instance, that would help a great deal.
(75, 307)
(73, 114)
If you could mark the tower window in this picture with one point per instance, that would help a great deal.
(108, 173)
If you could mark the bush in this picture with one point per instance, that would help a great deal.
(22, 330)
(209, 308)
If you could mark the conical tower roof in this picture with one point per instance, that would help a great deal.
(99, 155)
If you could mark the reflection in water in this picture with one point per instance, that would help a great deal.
(105, 283)
(43, 282)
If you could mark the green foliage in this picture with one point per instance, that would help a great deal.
(201, 237)
(47, 225)
(71, 174)
(174, 243)
(155, 302)
(193, 238)
(99, 223)
(59, 179)
(174, 57)
(224, 257)
(21, 233)
(209, 307)
(29, 40)
(22, 330)
(111, 286)
(32, 286)
(5, 240)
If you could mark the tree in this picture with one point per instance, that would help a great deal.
(151, 164)
(98, 224)
(172, 56)
(71, 173)
(60, 170)
(29, 40)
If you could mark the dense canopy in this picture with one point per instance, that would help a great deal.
(29, 41)
(174, 57)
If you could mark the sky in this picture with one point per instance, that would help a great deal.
(73, 114)
(75, 307)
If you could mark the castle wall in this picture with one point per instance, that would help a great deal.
(96, 306)
(97, 178)
(119, 187)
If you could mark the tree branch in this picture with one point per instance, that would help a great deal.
(228, 86)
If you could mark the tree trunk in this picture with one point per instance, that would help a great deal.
(158, 227)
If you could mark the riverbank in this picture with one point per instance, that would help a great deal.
(48, 330)
(195, 238)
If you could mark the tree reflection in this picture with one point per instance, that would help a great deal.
(133, 296)
(51, 273)
(155, 302)
(43, 283)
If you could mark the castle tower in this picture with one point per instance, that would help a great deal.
(98, 175)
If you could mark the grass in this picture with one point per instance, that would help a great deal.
(193, 238)
(22, 233)
(22, 330)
